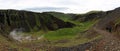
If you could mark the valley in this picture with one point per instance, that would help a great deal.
(53, 31)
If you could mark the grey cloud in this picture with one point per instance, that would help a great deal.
(42, 9)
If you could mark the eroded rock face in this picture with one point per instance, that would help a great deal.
(29, 21)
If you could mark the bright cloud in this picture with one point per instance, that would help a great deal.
(74, 6)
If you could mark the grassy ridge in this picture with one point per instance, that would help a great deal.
(62, 16)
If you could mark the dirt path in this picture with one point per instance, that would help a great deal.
(109, 42)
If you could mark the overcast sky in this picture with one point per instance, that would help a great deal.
(66, 6)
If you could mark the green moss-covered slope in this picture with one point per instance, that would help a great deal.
(63, 16)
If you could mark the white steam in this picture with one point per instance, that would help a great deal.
(18, 35)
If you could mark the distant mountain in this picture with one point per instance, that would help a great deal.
(63, 16)
(92, 15)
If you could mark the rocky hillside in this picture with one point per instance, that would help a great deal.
(108, 27)
(92, 15)
(111, 22)
(29, 21)
(63, 16)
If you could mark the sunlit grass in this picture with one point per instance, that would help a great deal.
(67, 33)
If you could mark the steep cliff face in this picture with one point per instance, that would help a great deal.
(29, 21)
